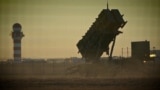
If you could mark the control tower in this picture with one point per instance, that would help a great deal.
(17, 35)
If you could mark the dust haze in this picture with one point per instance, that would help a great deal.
(110, 75)
(104, 69)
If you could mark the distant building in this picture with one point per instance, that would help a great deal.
(30, 60)
(140, 49)
(56, 60)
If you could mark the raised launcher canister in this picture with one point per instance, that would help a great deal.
(103, 31)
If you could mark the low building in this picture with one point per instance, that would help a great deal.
(140, 49)
(30, 60)
(56, 60)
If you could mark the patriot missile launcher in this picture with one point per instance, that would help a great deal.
(99, 36)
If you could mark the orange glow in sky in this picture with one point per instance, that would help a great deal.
(52, 28)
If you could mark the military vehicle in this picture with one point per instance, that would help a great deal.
(99, 36)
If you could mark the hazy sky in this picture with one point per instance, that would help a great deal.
(52, 28)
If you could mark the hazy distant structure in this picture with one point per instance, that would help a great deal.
(140, 50)
(156, 53)
(17, 35)
(102, 32)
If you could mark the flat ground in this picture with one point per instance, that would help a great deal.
(81, 84)
(116, 75)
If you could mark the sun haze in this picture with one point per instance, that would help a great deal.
(52, 28)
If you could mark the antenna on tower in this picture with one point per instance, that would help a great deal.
(107, 5)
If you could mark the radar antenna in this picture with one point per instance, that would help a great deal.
(107, 5)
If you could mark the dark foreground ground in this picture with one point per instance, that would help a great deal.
(81, 84)
(118, 75)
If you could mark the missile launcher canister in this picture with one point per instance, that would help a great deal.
(102, 32)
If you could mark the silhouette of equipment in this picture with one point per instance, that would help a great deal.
(102, 32)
